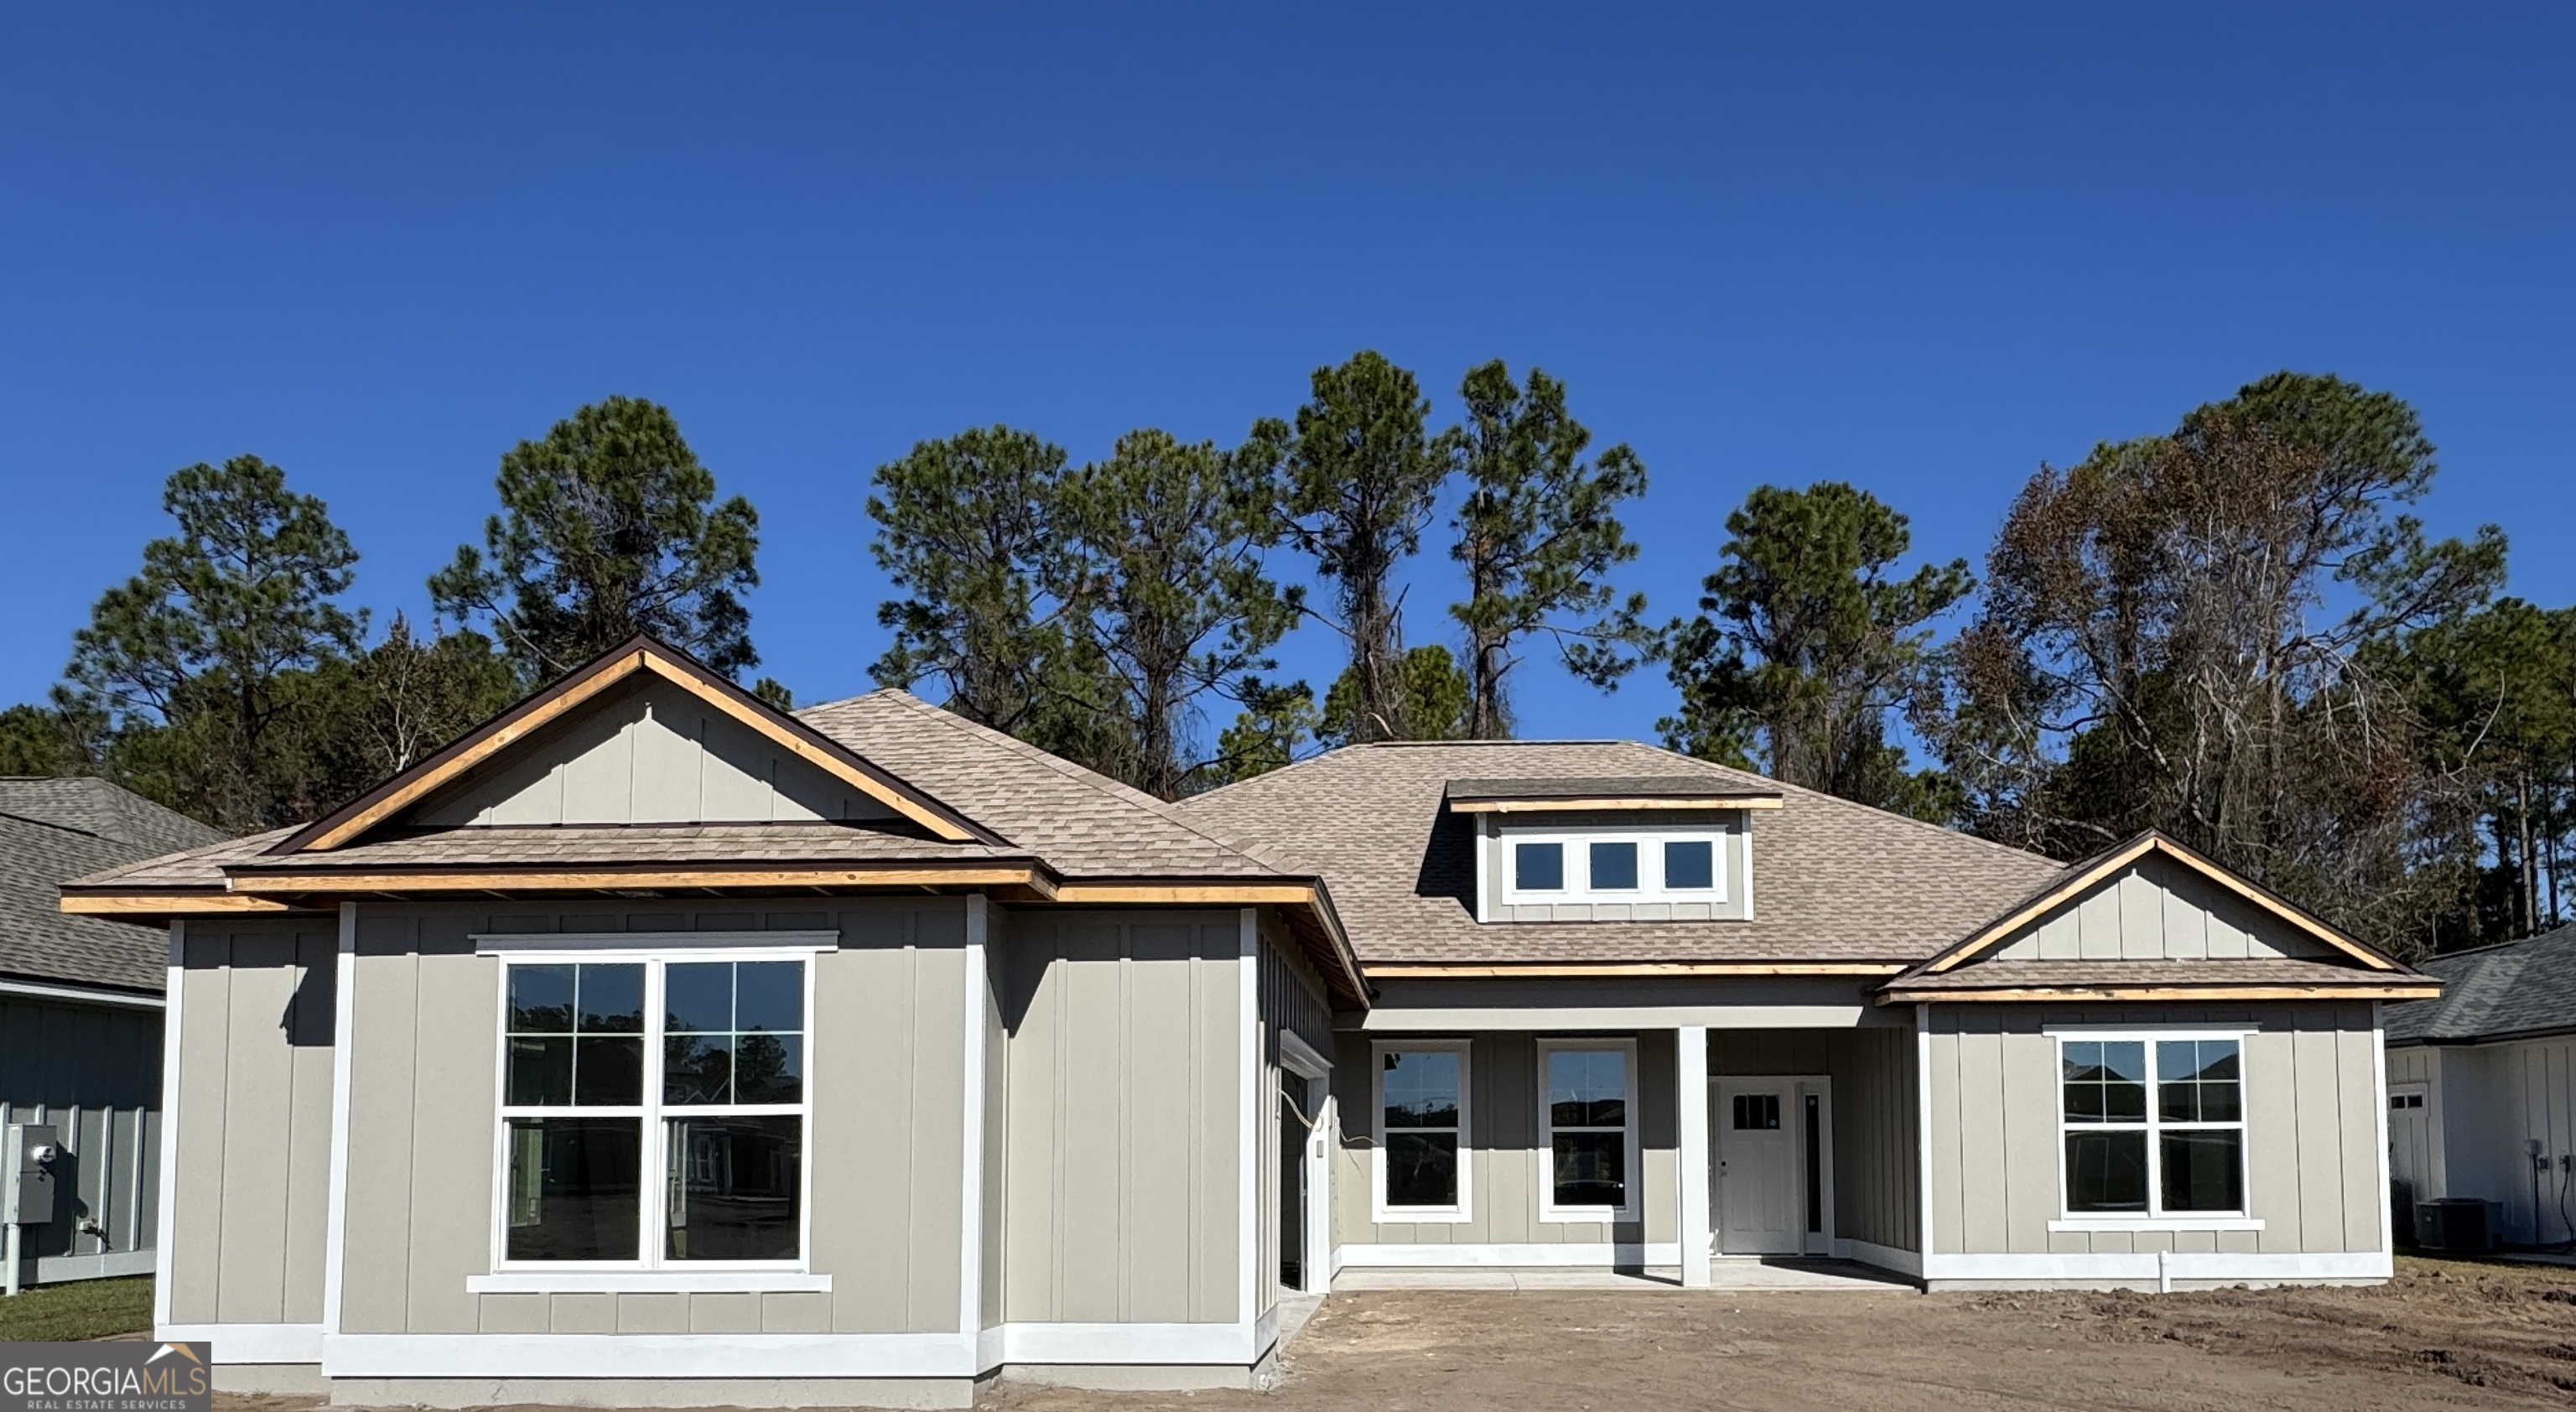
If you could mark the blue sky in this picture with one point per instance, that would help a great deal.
(1922, 252)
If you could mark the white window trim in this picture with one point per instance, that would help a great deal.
(582, 1275)
(1548, 1210)
(2155, 1218)
(1379, 1210)
(1578, 889)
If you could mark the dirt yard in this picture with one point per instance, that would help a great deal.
(2443, 1335)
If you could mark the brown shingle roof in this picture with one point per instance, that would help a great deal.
(2158, 974)
(1833, 881)
(549, 846)
(1083, 824)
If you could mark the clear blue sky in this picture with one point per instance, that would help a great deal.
(1920, 251)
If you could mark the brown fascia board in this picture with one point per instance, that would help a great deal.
(640, 653)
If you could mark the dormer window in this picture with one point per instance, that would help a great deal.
(1614, 864)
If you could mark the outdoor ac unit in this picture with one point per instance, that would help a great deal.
(2458, 1223)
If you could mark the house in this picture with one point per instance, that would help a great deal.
(80, 1019)
(2482, 1087)
(648, 1034)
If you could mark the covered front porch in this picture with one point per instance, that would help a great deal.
(1746, 1137)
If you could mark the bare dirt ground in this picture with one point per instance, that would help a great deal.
(2443, 1335)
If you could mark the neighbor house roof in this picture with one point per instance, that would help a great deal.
(54, 830)
(2520, 989)
(1834, 882)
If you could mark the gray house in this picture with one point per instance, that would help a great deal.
(80, 1018)
(2482, 1087)
(648, 1035)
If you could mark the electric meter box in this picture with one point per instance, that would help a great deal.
(29, 1153)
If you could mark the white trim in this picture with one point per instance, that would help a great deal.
(1240, 1344)
(344, 1009)
(1580, 1254)
(2183, 1222)
(1923, 1131)
(165, 1241)
(939, 1355)
(1885, 1257)
(493, 943)
(1631, 1208)
(1697, 1241)
(106, 1264)
(1650, 888)
(249, 1343)
(649, 1112)
(1379, 1212)
(970, 1235)
(1316, 1262)
(665, 1281)
(79, 995)
(1302, 1058)
(2379, 1085)
(1248, 1118)
(1484, 864)
(2152, 1126)
(2149, 1265)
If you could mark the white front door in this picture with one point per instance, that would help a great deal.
(1756, 1121)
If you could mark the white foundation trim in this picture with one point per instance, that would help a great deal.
(649, 1282)
(106, 1264)
(941, 1355)
(249, 1343)
(165, 1239)
(1586, 1254)
(344, 1009)
(1248, 1122)
(1691, 1085)
(79, 996)
(2164, 1265)
(1240, 1345)
(493, 943)
(1885, 1257)
(970, 1212)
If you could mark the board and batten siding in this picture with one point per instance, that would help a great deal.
(94, 1073)
(252, 1139)
(1291, 1002)
(2311, 1130)
(1122, 1202)
(1504, 1163)
(886, 1065)
(654, 754)
(2488, 1102)
(1876, 1169)
(2157, 909)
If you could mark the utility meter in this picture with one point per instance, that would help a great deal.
(28, 1156)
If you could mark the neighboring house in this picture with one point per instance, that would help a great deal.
(648, 1034)
(2482, 1086)
(80, 1018)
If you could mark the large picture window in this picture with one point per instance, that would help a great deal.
(1422, 1171)
(1588, 1117)
(653, 1111)
(2155, 1126)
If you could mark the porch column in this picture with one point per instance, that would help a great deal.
(1690, 1088)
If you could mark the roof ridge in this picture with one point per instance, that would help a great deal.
(1083, 775)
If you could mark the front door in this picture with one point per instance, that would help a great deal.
(1758, 1211)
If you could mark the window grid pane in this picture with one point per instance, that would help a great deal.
(1587, 1113)
(2182, 1154)
(1420, 1097)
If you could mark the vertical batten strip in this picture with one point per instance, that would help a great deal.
(1247, 1131)
(970, 1216)
(344, 1008)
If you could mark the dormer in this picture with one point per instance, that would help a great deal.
(1662, 848)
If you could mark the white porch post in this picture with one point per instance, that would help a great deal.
(1690, 1089)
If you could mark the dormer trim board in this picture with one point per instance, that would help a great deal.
(1570, 806)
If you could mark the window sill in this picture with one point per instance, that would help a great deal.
(649, 1282)
(1420, 1216)
(2156, 1223)
(1579, 1216)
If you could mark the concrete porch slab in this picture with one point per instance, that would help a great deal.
(1725, 1276)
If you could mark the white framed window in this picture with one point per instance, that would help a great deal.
(654, 1110)
(2151, 1129)
(1419, 1167)
(1614, 864)
(1587, 1116)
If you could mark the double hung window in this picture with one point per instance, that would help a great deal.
(1589, 1116)
(653, 1111)
(2154, 1126)
(1614, 866)
(1422, 1131)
